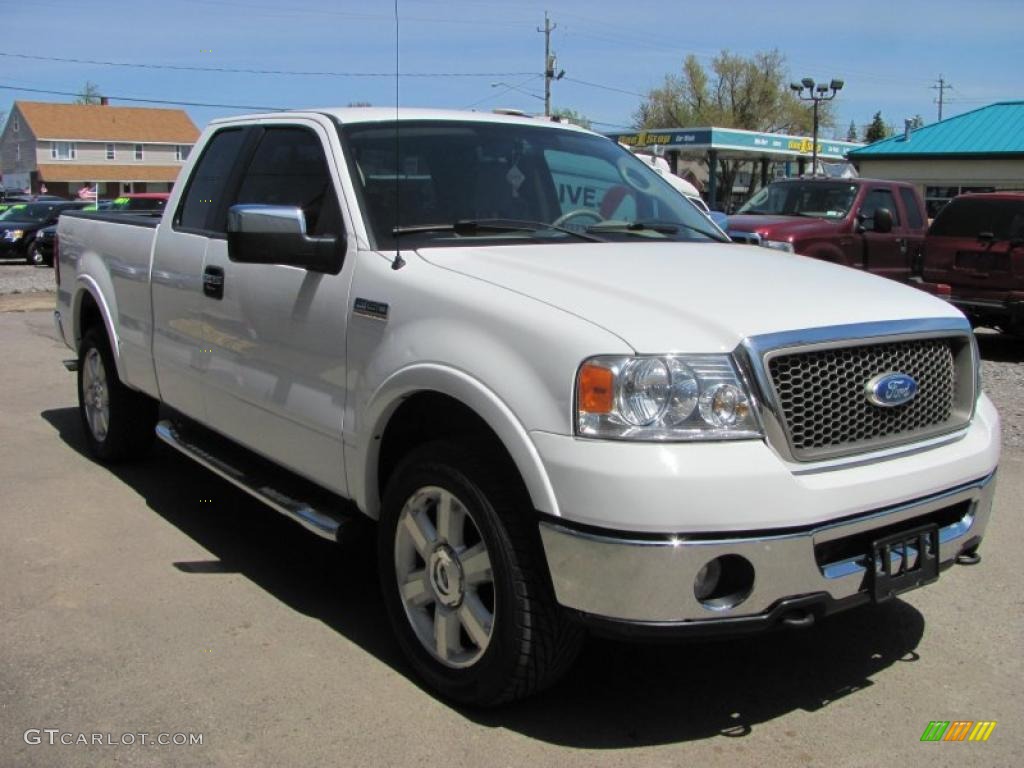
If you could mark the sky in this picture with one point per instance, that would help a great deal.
(483, 54)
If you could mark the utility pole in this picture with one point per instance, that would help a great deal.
(942, 87)
(549, 63)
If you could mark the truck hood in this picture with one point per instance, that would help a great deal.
(688, 297)
(783, 227)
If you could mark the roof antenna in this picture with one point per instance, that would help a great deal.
(399, 262)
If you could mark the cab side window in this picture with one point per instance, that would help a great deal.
(914, 217)
(879, 198)
(206, 187)
(289, 168)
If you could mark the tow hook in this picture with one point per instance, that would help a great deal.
(798, 620)
(968, 558)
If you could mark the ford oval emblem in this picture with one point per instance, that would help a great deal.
(887, 390)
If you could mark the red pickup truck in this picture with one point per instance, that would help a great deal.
(974, 256)
(875, 225)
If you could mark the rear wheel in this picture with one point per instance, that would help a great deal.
(119, 422)
(464, 578)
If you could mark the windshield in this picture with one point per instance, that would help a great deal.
(519, 183)
(28, 212)
(823, 200)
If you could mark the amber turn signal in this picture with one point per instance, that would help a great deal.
(594, 393)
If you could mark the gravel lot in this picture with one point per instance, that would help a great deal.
(19, 277)
(1002, 375)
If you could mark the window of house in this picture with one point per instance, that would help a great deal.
(138, 151)
(111, 152)
(63, 150)
(181, 152)
(17, 124)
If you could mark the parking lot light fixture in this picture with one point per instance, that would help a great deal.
(816, 93)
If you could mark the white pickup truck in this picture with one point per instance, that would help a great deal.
(566, 401)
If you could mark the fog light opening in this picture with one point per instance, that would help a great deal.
(724, 582)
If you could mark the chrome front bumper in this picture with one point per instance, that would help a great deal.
(627, 578)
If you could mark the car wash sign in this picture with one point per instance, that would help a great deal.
(736, 142)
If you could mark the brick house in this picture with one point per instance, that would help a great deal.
(64, 147)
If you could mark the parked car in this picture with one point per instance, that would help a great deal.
(869, 224)
(20, 198)
(140, 201)
(40, 251)
(974, 255)
(629, 424)
(20, 223)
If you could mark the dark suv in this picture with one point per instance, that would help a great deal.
(974, 255)
(20, 223)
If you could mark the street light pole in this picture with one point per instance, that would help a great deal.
(816, 94)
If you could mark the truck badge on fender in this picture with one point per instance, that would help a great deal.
(888, 390)
(375, 310)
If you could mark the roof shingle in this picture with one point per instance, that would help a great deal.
(53, 172)
(94, 122)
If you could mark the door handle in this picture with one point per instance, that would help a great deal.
(902, 243)
(213, 282)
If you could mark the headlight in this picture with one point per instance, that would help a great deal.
(14, 234)
(778, 245)
(671, 397)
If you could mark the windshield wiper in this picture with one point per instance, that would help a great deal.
(477, 226)
(661, 227)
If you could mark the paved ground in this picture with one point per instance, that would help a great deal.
(156, 599)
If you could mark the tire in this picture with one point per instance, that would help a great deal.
(502, 635)
(119, 422)
(34, 256)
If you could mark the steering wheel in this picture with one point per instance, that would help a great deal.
(578, 213)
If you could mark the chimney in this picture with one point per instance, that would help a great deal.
(908, 127)
(104, 101)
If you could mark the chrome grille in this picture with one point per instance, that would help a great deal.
(820, 395)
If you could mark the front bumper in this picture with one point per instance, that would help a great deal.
(649, 580)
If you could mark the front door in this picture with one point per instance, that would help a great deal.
(276, 338)
(180, 354)
(885, 253)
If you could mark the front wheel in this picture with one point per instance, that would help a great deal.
(464, 578)
(119, 422)
(34, 256)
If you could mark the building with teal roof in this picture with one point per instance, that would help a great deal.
(978, 151)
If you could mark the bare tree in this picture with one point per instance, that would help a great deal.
(737, 92)
(90, 94)
(572, 116)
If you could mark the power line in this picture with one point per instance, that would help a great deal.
(150, 101)
(181, 67)
(606, 87)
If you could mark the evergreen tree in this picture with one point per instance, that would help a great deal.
(878, 130)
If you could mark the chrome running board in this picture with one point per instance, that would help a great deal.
(325, 519)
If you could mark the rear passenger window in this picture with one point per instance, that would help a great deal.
(970, 216)
(206, 187)
(914, 218)
(289, 168)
